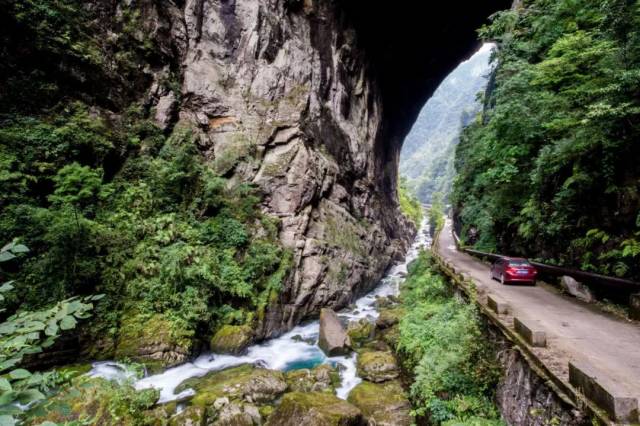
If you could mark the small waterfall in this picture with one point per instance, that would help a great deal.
(296, 349)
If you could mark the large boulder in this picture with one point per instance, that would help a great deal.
(382, 404)
(389, 317)
(244, 383)
(377, 366)
(232, 339)
(315, 409)
(334, 340)
(155, 341)
(322, 378)
(577, 289)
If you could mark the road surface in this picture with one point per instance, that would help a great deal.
(575, 330)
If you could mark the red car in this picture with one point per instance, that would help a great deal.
(513, 270)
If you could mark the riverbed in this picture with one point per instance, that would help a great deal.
(296, 349)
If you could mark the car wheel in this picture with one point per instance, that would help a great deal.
(502, 281)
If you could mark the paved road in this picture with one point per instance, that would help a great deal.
(575, 330)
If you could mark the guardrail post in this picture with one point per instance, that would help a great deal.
(634, 306)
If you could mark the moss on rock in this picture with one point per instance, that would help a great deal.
(190, 416)
(377, 366)
(254, 385)
(382, 404)
(322, 378)
(360, 332)
(153, 341)
(232, 339)
(389, 317)
(314, 409)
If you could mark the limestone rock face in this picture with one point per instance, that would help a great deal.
(280, 96)
(334, 339)
(314, 409)
(377, 366)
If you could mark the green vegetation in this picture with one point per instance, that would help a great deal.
(442, 344)
(111, 204)
(97, 402)
(436, 213)
(409, 204)
(550, 171)
(427, 156)
(27, 333)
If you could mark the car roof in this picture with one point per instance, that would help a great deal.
(515, 258)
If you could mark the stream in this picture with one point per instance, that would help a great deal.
(296, 349)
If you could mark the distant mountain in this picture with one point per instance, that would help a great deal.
(426, 160)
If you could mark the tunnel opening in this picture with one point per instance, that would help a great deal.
(411, 50)
(427, 157)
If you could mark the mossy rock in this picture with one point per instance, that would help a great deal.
(391, 336)
(232, 339)
(360, 332)
(314, 409)
(382, 404)
(322, 378)
(389, 317)
(377, 366)
(236, 414)
(190, 416)
(153, 341)
(96, 401)
(254, 385)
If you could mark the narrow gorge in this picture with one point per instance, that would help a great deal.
(191, 190)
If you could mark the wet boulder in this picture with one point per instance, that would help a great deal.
(243, 383)
(232, 339)
(389, 317)
(334, 340)
(382, 404)
(190, 416)
(360, 332)
(315, 409)
(322, 378)
(152, 341)
(377, 366)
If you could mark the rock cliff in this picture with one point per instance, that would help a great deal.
(308, 100)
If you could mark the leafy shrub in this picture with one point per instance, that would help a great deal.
(409, 204)
(552, 161)
(442, 344)
(27, 333)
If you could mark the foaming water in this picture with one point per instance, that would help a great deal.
(294, 350)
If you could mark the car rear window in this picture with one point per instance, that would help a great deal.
(518, 263)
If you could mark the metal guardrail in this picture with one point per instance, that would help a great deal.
(577, 274)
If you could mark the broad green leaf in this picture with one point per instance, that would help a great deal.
(5, 386)
(6, 256)
(68, 323)
(7, 328)
(6, 287)
(6, 420)
(30, 395)
(8, 246)
(19, 373)
(8, 397)
(97, 297)
(52, 329)
(20, 248)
